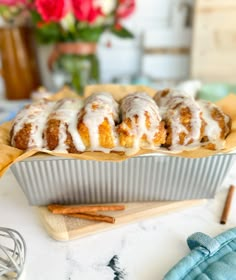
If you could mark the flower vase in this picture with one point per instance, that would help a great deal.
(19, 66)
(76, 64)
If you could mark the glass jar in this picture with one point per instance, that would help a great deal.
(75, 64)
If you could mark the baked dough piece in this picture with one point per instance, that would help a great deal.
(141, 125)
(183, 117)
(66, 126)
(97, 122)
(28, 126)
(61, 132)
(218, 125)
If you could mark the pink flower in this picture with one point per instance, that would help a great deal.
(12, 2)
(125, 8)
(52, 10)
(85, 10)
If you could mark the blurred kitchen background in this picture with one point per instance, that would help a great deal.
(174, 42)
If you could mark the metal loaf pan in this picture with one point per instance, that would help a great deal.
(144, 178)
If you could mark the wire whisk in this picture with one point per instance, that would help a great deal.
(12, 253)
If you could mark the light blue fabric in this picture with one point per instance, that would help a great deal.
(200, 239)
(210, 259)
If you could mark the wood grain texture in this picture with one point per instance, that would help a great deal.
(214, 41)
(64, 228)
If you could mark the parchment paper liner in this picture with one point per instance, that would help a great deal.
(9, 155)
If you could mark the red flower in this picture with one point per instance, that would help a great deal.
(84, 10)
(125, 8)
(55, 10)
(52, 10)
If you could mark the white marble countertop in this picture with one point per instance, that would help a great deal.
(145, 250)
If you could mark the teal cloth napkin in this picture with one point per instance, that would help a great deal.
(210, 259)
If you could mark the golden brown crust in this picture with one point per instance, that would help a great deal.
(106, 139)
(83, 131)
(21, 139)
(69, 142)
(209, 146)
(52, 134)
(219, 117)
(126, 133)
(224, 123)
(185, 120)
(160, 136)
(105, 135)
(127, 139)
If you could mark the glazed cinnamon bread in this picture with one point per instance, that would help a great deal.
(171, 119)
(141, 125)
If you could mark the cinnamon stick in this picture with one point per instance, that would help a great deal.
(70, 209)
(227, 206)
(93, 217)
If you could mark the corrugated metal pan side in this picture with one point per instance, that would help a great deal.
(57, 180)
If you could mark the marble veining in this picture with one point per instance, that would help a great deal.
(119, 273)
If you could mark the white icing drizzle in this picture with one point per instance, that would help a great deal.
(67, 111)
(164, 102)
(171, 106)
(137, 104)
(36, 115)
(102, 105)
(106, 107)
(212, 129)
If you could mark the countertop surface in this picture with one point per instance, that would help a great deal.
(144, 250)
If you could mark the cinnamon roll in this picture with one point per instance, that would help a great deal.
(172, 119)
(183, 118)
(28, 126)
(141, 125)
(61, 132)
(97, 122)
(217, 125)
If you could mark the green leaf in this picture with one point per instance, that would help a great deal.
(89, 34)
(35, 17)
(49, 33)
(122, 32)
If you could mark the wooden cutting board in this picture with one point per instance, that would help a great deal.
(214, 41)
(64, 228)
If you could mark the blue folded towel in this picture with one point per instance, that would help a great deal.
(210, 259)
